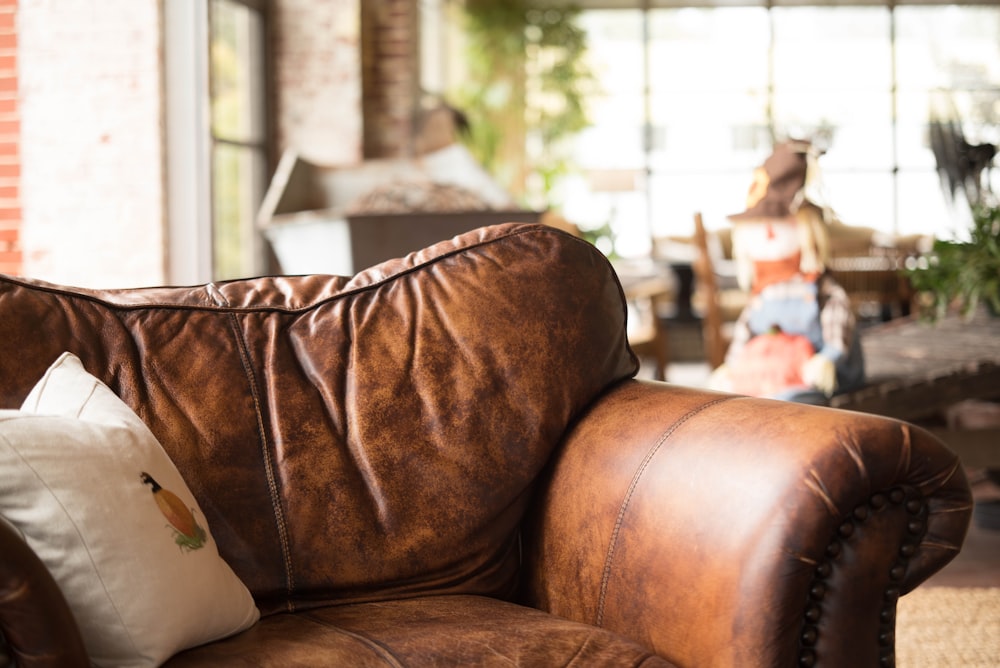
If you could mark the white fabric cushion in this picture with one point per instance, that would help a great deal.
(135, 561)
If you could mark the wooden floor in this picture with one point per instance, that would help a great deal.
(978, 564)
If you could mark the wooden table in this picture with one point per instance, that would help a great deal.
(918, 370)
(647, 286)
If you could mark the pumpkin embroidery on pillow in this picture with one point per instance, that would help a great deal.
(188, 534)
(137, 599)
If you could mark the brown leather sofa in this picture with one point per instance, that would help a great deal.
(446, 461)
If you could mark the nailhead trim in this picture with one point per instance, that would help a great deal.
(916, 507)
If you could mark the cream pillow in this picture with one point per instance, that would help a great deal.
(99, 501)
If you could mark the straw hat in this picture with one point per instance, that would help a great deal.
(777, 188)
(778, 193)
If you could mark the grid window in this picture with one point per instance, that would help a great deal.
(239, 157)
(693, 98)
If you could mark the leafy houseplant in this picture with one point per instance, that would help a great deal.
(524, 92)
(962, 272)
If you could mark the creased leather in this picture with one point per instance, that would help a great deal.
(696, 522)
(353, 439)
(430, 631)
(37, 626)
(382, 458)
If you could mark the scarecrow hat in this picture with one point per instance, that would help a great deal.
(777, 188)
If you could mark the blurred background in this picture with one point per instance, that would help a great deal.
(140, 138)
(152, 142)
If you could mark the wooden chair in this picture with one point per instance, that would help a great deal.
(715, 341)
(875, 283)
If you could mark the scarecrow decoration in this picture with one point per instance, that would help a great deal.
(796, 337)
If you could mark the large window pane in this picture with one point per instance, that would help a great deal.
(922, 209)
(948, 47)
(860, 81)
(238, 137)
(609, 148)
(676, 196)
(948, 70)
(237, 183)
(860, 198)
(610, 155)
(832, 48)
(709, 49)
(236, 62)
(709, 130)
(854, 126)
(912, 137)
(617, 112)
(615, 49)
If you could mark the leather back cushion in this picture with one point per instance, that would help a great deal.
(352, 439)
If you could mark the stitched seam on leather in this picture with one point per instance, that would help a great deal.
(221, 304)
(378, 648)
(272, 484)
(606, 575)
(525, 228)
(579, 651)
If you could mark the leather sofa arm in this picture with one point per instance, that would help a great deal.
(722, 530)
(36, 625)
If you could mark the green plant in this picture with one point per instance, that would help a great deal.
(526, 84)
(962, 273)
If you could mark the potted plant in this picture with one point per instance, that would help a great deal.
(962, 273)
(526, 84)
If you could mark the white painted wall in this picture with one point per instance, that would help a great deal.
(114, 179)
(92, 141)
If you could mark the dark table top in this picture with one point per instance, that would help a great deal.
(913, 347)
(917, 368)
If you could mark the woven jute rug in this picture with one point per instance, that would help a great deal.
(939, 627)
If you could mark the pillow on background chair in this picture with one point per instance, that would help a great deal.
(99, 501)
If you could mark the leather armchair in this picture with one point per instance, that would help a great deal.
(446, 460)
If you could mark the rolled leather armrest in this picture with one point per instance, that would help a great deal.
(36, 625)
(729, 531)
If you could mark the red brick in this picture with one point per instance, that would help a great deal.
(388, 33)
(11, 257)
(396, 50)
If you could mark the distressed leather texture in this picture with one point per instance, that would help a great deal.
(445, 461)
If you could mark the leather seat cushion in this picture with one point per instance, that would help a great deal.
(430, 631)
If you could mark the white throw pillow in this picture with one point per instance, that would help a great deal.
(100, 502)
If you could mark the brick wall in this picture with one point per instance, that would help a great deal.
(10, 155)
(91, 193)
(390, 76)
(316, 47)
(346, 78)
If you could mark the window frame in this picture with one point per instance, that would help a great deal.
(899, 170)
(190, 139)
